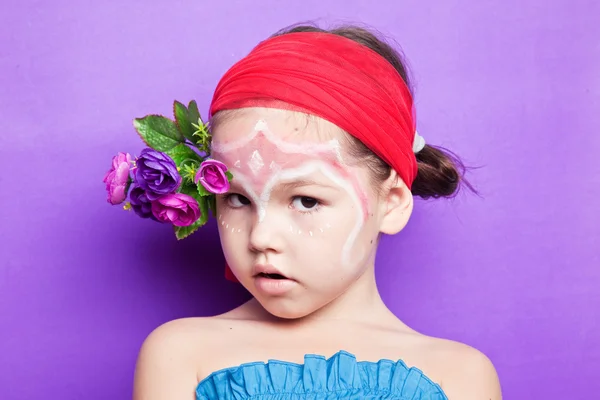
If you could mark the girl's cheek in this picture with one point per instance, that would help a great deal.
(229, 219)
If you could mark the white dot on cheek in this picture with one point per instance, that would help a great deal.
(327, 226)
(224, 223)
(299, 231)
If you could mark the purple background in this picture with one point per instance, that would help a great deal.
(512, 86)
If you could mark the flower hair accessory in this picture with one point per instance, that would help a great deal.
(173, 180)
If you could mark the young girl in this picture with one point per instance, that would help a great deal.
(318, 132)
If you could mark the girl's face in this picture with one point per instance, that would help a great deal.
(299, 207)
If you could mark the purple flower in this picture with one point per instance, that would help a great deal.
(140, 203)
(156, 173)
(117, 178)
(177, 208)
(212, 176)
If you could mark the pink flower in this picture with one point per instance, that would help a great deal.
(212, 175)
(177, 208)
(117, 178)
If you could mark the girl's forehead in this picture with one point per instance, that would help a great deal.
(289, 126)
(261, 147)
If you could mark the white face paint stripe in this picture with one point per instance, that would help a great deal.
(245, 184)
(285, 147)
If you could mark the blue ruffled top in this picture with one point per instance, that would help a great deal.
(339, 377)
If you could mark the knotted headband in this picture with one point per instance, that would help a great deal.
(334, 78)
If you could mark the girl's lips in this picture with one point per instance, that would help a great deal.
(272, 286)
(266, 269)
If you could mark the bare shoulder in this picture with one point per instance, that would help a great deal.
(166, 367)
(466, 372)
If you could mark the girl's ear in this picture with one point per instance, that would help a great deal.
(396, 205)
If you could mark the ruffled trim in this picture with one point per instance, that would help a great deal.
(339, 377)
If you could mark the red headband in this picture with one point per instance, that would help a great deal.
(334, 78)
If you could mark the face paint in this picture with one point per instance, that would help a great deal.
(224, 223)
(261, 161)
(311, 233)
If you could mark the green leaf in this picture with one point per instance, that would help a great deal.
(203, 202)
(183, 121)
(193, 113)
(181, 232)
(212, 204)
(181, 153)
(229, 175)
(202, 190)
(190, 190)
(158, 132)
(196, 121)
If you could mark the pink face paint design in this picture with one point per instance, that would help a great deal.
(251, 151)
(261, 161)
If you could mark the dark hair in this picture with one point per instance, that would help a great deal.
(440, 172)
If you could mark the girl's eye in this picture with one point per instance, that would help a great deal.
(305, 204)
(237, 200)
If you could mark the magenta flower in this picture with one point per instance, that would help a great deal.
(177, 208)
(212, 175)
(117, 178)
